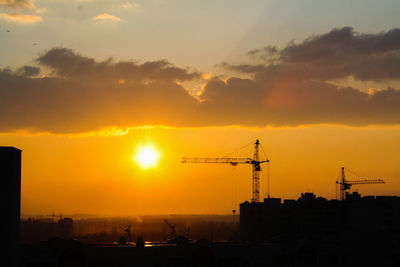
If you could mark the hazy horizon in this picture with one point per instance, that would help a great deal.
(106, 97)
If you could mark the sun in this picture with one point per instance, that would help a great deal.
(147, 157)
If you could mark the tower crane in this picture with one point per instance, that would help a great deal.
(345, 185)
(173, 234)
(127, 230)
(255, 162)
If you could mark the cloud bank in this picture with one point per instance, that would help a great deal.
(337, 54)
(288, 86)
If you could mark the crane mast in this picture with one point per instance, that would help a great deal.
(255, 162)
(256, 173)
(173, 233)
(345, 185)
(127, 230)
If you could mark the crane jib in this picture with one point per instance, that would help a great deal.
(255, 162)
(345, 185)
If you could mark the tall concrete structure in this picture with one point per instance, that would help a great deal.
(10, 173)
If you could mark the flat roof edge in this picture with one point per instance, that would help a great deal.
(9, 148)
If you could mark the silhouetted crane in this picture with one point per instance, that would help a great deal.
(255, 162)
(54, 216)
(127, 230)
(345, 185)
(173, 234)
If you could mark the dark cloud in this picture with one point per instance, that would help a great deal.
(64, 62)
(293, 88)
(337, 54)
(291, 103)
(28, 71)
(265, 52)
(85, 95)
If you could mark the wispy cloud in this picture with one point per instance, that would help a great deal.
(17, 3)
(105, 17)
(41, 10)
(129, 5)
(21, 18)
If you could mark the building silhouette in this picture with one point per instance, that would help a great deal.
(311, 217)
(10, 172)
(39, 230)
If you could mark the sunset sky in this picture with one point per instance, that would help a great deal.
(87, 87)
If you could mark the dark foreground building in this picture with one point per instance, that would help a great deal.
(10, 173)
(56, 253)
(308, 231)
(314, 217)
(34, 231)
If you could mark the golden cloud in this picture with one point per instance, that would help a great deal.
(21, 18)
(105, 16)
(17, 3)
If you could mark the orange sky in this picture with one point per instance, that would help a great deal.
(96, 174)
(317, 82)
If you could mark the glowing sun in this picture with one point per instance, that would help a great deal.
(147, 157)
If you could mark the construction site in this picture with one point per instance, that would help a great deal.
(311, 230)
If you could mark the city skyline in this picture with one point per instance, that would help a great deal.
(105, 98)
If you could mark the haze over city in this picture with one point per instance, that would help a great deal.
(105, 98)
